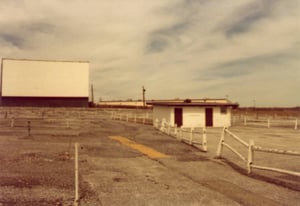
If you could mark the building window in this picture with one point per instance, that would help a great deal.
(223, 110)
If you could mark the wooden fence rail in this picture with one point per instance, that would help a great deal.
(251, 149)
(271, 123)
(222, 143)
(130, 117)
(43, 123)
(193, 136)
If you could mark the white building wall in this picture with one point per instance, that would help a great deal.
(193, 116)
(221, 119)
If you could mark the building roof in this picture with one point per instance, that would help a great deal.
(44, 60)
(193, 102)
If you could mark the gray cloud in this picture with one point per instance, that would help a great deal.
(131, 43)
(20, 34)
(39, 27)
(245, 17)
(15, 40)
(161, 39)
(252, 65)
(157, 44)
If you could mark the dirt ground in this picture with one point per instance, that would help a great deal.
(37, 163)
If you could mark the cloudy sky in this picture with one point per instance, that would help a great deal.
(248, 51)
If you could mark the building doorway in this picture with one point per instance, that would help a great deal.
(208, 117)
(178, 117)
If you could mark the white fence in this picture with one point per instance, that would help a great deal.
(195, 136)
(143, 118)
(268, 123)
(251, 149)
(43, 123)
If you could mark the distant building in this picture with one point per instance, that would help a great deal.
(122, 104)
(194, 112)
(44, 83)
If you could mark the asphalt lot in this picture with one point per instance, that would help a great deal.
(123, 175)
(120, 163)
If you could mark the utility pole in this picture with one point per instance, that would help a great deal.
(92, 94)
(144, 90)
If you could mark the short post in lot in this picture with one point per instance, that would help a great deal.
(250, 155)
(296, 124)
(204, 140)
(76, 201)
(28, 127)
(12, 122)
(268, 123)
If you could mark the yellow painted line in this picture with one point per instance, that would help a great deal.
(139, 147)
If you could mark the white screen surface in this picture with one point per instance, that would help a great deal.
(45, 78)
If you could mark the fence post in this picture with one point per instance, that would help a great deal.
(220, 146)
(156, 123)
(245, 121)
(268, 123)
(112, 115)
(126, 117)
(250, 155)
(175, 130)
(68, 123)
(134, 118)
(162, 125)
(76, 201)
(191, 135)
(180, 133)
(204, 140)
(12, 122)
(296, 124)
(28, 127)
